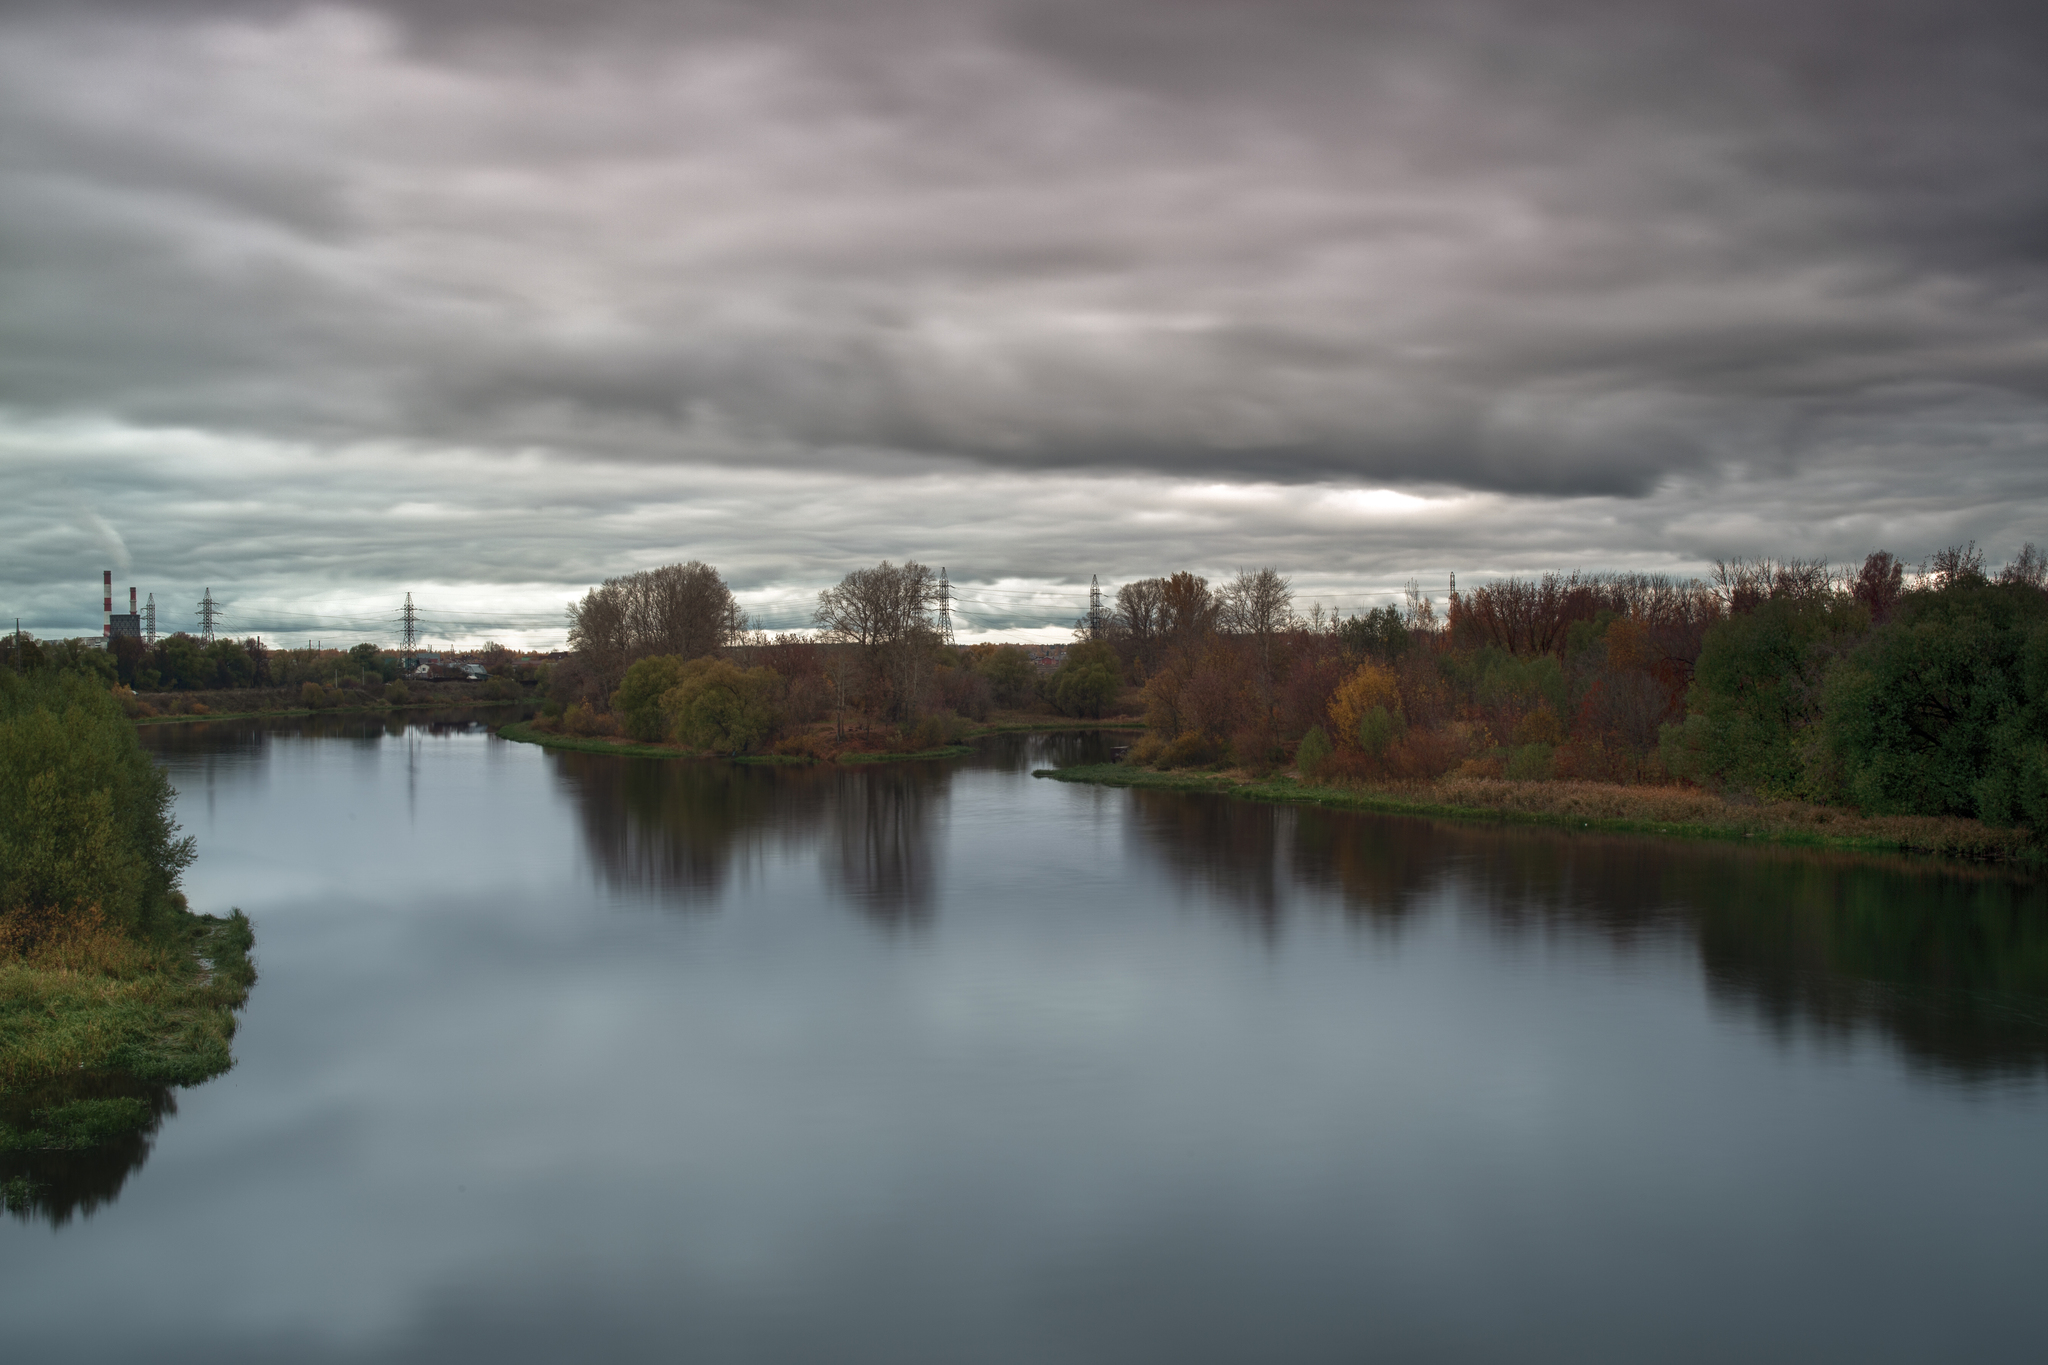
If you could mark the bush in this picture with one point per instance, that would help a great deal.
(1378, 728)
(1313, 752)
(398, 694)
(579, 719)
(312, 694)
(1192, 749)
(1529, 762)
(938, 731)
(1372, 687)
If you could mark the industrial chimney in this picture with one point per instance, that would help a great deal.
(106, 606)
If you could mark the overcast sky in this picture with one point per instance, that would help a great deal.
(315, 305)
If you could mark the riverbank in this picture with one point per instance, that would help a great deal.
(84, 1001)
(1673, 812)
(524, 732)
(372, 708)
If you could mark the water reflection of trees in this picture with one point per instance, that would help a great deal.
(55, 1187)
(680, 829)
(883, 835)
(1950, 963)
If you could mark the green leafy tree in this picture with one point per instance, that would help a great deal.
(719, 706)
(1380, 632)
(637, 703)
(85, 817)
(1087, 681)
(1756, 694)
(231, 664)
(182, 664)
(1945, 710)
(1011, 675)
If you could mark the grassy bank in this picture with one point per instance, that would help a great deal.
(372, 709)
(87, 999)
(1680, 812)
(525, 733)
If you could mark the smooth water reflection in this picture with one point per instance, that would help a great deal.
(560, 1056)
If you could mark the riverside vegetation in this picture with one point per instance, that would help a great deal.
(109, 984)
(1783, 700)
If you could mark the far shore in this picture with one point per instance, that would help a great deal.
(1671, 812)
(524, 732)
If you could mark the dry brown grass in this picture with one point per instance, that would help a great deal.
(1696, 808)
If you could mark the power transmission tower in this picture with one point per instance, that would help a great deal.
(408, 628)
(945, 608)
(209, 613)
(1097, 627)
(149, 620)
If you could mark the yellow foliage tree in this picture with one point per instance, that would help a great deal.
(1372, 687)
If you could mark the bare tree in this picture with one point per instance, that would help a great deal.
(1952, 565)
(2029, 566)
(887, 613)
(1187, 612)
(1140, 618)
(1879, 584)
(1259, 605)
(680, 609)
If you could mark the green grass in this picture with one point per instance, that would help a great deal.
(946, 751)
(523, 732)
(1611, 809)
(161, 1012)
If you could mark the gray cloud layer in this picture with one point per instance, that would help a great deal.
(1639, 281)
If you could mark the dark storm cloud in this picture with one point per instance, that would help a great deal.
(1557, 247)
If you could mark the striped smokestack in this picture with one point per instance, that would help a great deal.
(131, 601)
(107, 604)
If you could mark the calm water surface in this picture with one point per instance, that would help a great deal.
(565, 1057)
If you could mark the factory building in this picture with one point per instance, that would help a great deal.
(112, 626)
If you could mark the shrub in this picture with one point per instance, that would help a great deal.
(1371, 687)
(1529, 762)
(398, 694)
(1420, 754)
(1378, 728)
(937, 731)
(1313, 752)
(1191, 749)
(1253, 748)
(579, 719)
(312, 694)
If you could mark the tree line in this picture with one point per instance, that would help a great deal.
(1896, 689)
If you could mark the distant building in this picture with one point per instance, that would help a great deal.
(124, 625)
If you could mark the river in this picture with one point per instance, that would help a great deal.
(559, 1056)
